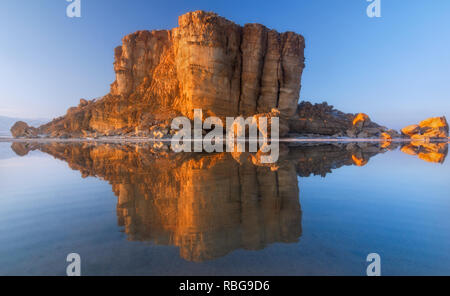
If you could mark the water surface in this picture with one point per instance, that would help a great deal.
(131, 210)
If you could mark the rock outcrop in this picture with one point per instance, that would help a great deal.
(431, 128)
(213, 64)
(410, 130)
(22, 129)
(207, 62)
(320, 119)
(323, 119)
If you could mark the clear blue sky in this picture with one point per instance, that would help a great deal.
(395, 68)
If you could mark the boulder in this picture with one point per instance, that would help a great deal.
(83, 103)
(320, 119)
(392, 133)
(372, 131)
(435, 127)
(72, 110)
(158, 131)
(363, 135)
(431, 128)
(361, 120)
(351, 133)
(385, 136)
(21, 129)
(264, 131)
(411, 130)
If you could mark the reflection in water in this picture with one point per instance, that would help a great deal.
(430, 152)
(208, 204)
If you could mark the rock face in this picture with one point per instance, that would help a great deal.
(21, 129)
(323, 119)
(410, 130)
(207, 62)
(213, 64)
(431, 128)
(436, 127)
(320, 119)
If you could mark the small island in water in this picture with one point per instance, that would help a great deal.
(101, 181)
(224, 69)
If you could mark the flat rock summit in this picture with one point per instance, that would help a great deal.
(208, 63)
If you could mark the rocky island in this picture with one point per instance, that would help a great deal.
(225, 69)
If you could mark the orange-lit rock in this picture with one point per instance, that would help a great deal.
(411, 130)
(434, 122)
(428, 151)
(207, 62)
(419, 137)
(432, 157)
(385, 136)
(359, 161)
(409, 149)
(434, 133)
(431, 128)
(361, 119)
(385, 144)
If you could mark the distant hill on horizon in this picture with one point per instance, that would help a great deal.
(7, 122)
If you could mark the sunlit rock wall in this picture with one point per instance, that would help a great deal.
(206, 62)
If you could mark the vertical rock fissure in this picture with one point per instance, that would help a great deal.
(133, 63)
(280, 70)
(278, 83)
(261, 69)
(241, 57)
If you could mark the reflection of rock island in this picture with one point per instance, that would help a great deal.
(206, 204)
(427, 151)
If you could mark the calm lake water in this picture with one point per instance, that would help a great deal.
(130, 210)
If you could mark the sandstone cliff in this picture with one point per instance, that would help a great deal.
(207, 62)
(213, 64)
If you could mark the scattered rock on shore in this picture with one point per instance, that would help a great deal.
(431, 128)
(410, 130)
(22, 129)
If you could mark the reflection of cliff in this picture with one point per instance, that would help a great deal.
(206, 204)
(211, 206)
